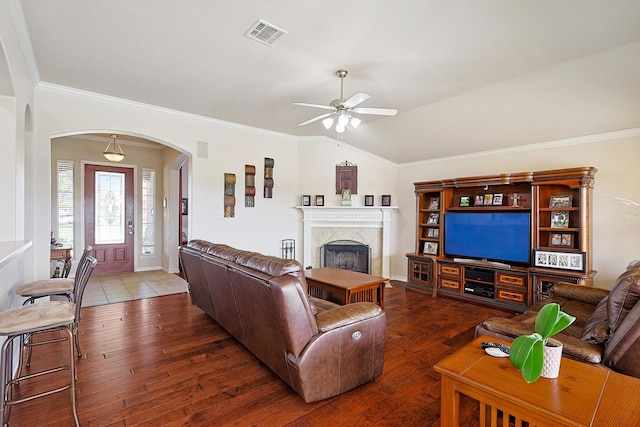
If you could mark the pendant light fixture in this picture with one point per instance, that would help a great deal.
(113, 152)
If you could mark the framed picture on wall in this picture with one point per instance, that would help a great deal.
(368, 200)
(185, 206)
(306, 200)
(386, 200)
(319, 200)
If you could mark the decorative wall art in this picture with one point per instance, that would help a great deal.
(229, 195)
(249, 186)
(346, 177)
(268, 178)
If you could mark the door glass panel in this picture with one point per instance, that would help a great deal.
(109, 209)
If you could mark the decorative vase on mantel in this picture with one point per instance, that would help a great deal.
(552, 356)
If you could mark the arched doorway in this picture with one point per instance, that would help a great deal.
(155, 220)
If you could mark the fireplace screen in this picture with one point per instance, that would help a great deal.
(347, 255)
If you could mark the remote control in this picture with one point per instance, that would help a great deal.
(502, 347)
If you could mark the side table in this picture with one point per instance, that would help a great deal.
(583, 395)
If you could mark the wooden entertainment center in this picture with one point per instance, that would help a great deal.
(555, 204)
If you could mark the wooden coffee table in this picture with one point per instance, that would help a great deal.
(350, 286)
(583, 395)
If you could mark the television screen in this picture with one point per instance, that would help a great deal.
(488, 236)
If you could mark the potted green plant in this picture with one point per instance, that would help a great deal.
(527, 352)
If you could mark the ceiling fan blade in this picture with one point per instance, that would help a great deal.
(315, 119)
(324, 107)
(378, 111)
(356, 99)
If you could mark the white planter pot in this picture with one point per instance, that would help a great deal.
(552, 354)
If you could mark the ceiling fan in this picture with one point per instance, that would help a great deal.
(342, 111)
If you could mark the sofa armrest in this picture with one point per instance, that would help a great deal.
(584, 294)
(348, 352)
(622, 351)
(346, 315)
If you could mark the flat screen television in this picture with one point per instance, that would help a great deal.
(492, 236)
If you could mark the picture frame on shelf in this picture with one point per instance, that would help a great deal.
(497, 199)
(559, 260)
(561, 201)
(479, 200)
(430, 248)
(561, 239)
(306, 200)
(488, 199)
(465, 201)
(560, 219)
(434, 218)
(386, 200)
(368, 200)
(433, 232)
(320, 200)
(434, 203)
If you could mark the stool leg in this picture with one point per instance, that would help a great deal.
(76, 339)
(72, 375)
(6, 365)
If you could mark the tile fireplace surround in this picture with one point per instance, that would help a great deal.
(370, 225)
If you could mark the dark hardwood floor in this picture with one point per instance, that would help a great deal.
(162, 362)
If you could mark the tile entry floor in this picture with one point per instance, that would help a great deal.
(119, 287)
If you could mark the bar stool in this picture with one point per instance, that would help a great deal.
(52, 287)
(34, 319)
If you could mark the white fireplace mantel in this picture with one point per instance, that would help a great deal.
(349, 217)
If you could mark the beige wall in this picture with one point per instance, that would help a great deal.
(16, 146)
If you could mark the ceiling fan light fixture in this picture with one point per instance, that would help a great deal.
(343, 119)
(355, 122)
(340, 128)
(328, 122)
(113, 152)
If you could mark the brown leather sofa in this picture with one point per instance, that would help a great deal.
(607, 326)
(319, 348)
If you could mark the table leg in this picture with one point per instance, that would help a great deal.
(449, 403)
(67, 267)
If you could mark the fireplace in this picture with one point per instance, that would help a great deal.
(367, 224)
(347, 255)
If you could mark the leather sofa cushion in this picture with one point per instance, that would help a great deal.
(525, 325)
(270, 265)
(584, 294)
(623, 296)
(596, 328)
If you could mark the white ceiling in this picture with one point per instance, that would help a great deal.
(465, 75)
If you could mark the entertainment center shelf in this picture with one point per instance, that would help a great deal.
(503, 240)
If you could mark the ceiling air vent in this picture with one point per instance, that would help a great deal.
(264, 32)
